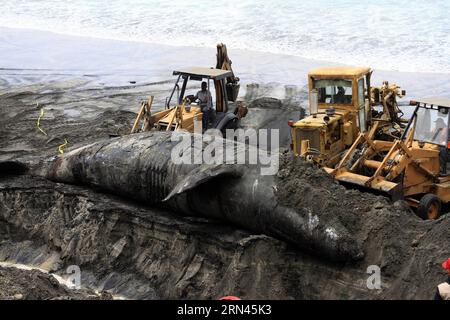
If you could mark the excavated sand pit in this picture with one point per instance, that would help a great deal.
(134, 251)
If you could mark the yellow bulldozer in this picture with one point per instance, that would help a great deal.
(184, 111)
(412, 167)
(343, 104)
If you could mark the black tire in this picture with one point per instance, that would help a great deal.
(232, 124)
(430, 207)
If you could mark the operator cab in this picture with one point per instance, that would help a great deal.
(430, 122)
(223, 113)
(339, 110)
(343, 88)
(334, 92)
(201, 98)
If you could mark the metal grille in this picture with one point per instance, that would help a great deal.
(311, 135)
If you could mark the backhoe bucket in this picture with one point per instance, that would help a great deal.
(232, 91)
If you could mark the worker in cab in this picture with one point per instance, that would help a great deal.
(205, 102)
(340, 96)
(443, 290)
(439, 135)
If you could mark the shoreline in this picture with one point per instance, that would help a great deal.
(32, 56)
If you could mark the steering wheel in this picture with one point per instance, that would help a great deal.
(189, 98)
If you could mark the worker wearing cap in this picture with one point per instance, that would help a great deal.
(443, 290)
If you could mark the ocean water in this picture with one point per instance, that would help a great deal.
(402, 35)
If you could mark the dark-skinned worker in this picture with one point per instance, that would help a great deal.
(204, 96)
(443, 290)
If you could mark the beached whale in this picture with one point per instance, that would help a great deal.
(141, 167)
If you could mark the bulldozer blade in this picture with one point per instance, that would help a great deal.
(377, 186)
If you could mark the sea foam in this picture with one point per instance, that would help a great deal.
(401, 35)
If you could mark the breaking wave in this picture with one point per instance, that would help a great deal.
(401, 35)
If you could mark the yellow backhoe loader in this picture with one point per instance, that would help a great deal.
(183, 111)
(413, 167)
(342, 104)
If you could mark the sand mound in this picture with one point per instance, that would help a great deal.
(391, 235)
(18, 284)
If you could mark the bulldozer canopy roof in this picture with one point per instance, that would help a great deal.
(211, 73)
(339, 72)
(436, 101)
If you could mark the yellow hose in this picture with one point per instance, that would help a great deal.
(38, 125)
(62, 146)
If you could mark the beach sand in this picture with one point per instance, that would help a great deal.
(129, 72)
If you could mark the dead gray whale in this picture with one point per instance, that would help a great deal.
(140, 167)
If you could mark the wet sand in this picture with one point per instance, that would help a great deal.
(30, 56)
